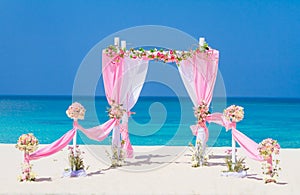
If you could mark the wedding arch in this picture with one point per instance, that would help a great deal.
(124, 72)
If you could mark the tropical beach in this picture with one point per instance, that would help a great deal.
(162, 175)
(151, 97)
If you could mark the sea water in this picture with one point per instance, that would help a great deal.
(157, 120)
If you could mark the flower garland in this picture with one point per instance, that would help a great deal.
(116, 110)
(154, 54)
(76, 111)
(268, 148)
(234, 113)
(201, 112)
(27, 143)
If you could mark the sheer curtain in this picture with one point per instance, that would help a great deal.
(123, 81)
(134, 75)
(199, 75)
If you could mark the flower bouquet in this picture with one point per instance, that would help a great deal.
(269, 149)
(76, 111)
(116, 110)
(201, 112)
(234, 113)
(27, 143)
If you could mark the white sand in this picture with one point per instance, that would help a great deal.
(154, 170)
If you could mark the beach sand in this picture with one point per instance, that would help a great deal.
(153, 170)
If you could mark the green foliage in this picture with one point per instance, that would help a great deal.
(118, 154)
(75, 160)
(198, 158)
(163, 55)
(117, 158)
(238, 166)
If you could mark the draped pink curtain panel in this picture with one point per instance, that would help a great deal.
(120, 87)
(199, 75)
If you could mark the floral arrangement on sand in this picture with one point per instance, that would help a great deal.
(76, 111)
(201, 112)
(118, 155)
(76, 163)
(198, 157)
(269, 150)
(116, 52)
(116, 110)
(75, 160)
(27, 143)
(238, 166)
(234, 113)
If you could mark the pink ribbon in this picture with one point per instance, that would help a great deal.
(195, 128)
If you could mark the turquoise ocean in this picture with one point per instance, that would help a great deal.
(158, 120)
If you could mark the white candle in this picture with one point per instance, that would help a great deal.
(117, 41)
(201, 41)
(123, 44)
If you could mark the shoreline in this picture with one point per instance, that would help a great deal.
(152, 146)
(153, 170)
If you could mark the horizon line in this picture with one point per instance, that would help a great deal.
(145, 96)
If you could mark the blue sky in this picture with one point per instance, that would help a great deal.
(42, 43)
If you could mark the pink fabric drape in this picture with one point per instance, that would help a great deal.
(125, 136)
(55, 146)
(112, 78)
(123, 81)
(134, 75)
(100, 132)
(199, 76)
(112, 71)
(247, 144)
